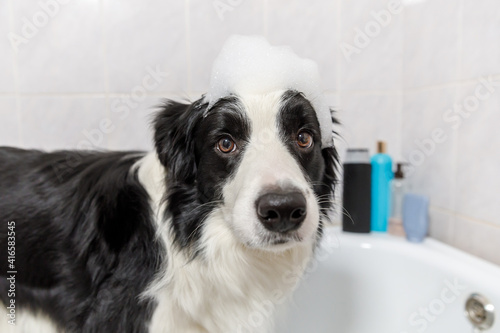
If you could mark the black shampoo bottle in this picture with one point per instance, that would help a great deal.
(357, 191)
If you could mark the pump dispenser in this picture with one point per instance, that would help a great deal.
(381, 188)
(398, 189)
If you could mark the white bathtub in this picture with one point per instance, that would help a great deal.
(378, 283)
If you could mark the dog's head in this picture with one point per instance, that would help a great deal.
(258, 159)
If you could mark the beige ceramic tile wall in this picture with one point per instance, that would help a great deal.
(451, 80)
(85, 61)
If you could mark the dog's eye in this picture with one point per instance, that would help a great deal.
(226, 145)
(304, 140)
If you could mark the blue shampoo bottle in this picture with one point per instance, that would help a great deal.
(381, 188)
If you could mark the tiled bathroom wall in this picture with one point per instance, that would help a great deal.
(89, 74)
(88, 60)
(451, 84)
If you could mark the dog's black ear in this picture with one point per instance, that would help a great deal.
(174, 136)
(331, 159)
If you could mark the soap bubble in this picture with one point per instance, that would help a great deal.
(250, 65)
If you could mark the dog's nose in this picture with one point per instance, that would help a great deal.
(282, 212)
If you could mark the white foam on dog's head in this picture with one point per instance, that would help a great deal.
(250, 65)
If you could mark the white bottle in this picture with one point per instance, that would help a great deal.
(398, 190)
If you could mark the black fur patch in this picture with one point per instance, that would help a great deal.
(186, 138)
(319, 164)
(85, 242)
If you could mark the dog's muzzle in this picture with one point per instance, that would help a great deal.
(281, 212)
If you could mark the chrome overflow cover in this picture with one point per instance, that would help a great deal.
(480, 311)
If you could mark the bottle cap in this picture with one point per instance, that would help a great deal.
(399, 174)
(381, 147)
(357, 155)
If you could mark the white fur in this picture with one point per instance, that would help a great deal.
(266, 164)
(27, 322)
(227, 288)
(238, 279)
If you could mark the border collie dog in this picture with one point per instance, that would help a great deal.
(206, 234)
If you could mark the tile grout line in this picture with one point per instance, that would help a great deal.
(338, 62)
(401, 87)
(452, 213)
(265, 15)
(94, 95)
(450, 84)
(15, 69)
(455, 136)
(371, 92)
(187, 23)
(104, 51)
(338, 91)
(163, 93)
